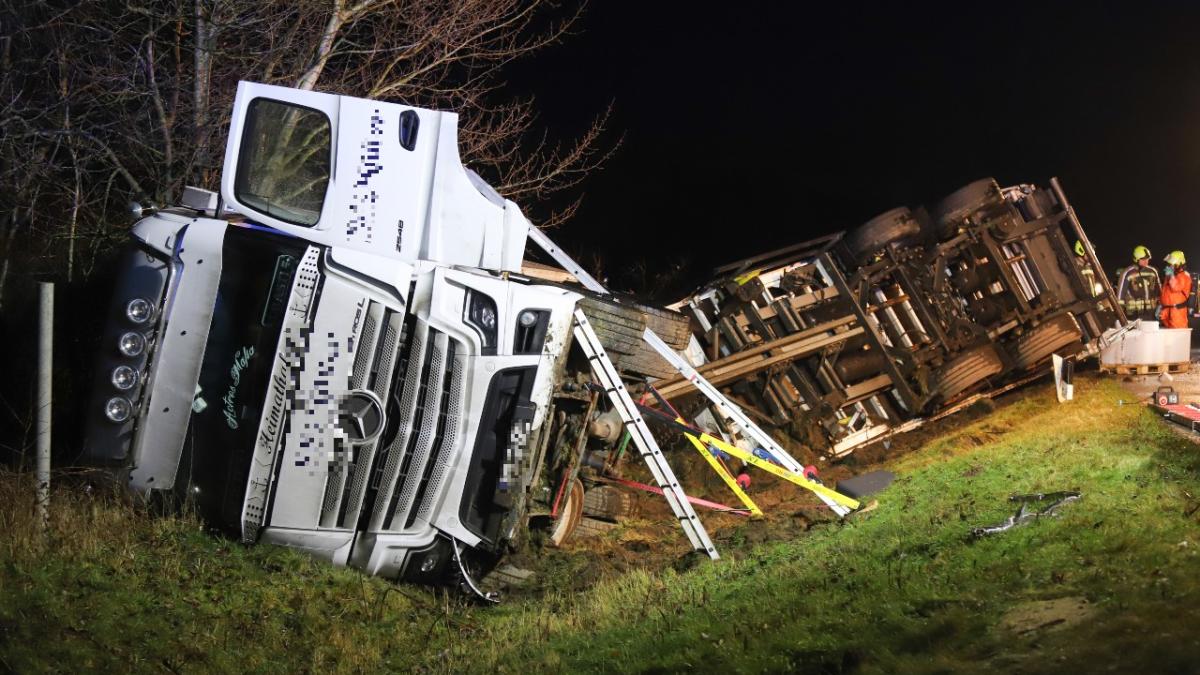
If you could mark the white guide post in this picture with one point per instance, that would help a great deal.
(44, 400)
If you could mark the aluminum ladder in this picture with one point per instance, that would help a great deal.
(733, 413)
(606, 373)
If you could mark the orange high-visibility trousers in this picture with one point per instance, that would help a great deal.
(1175, 291)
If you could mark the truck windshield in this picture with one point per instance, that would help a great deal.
(257, 271)
(283, 163)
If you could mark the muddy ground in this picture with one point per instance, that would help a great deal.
(651, 540)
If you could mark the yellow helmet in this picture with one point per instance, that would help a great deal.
(1140, 252)
(1175, 258)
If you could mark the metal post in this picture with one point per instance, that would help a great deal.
(45, 372)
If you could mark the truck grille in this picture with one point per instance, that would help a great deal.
(429, 407)
(374, 368)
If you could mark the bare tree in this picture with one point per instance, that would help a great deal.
(108, 100)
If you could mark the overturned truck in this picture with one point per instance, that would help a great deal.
(842, 340)
(339, 351)
(343, 353)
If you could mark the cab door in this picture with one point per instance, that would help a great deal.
(335, 170)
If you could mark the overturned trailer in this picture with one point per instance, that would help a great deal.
(840, 340)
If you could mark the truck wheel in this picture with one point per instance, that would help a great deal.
(964, 202)
(505, 577)
(607, 503)
(874, 235)
(591, 527)
(674, 328)
(647, 363)
(620, 329)
(625, 322)
(966, 370)
(572, 512)
(1059, 335)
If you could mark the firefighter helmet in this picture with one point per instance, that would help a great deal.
(1140, 252)
(1175, 258)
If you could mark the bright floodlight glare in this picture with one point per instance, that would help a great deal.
(118, 409)
(487, 317)
(124, 377)
(139, 310)
(132, 344)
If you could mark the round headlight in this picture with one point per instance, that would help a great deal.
(139, 310)
(132, 344)
(118, 409)
(527, 319)
(124, 377)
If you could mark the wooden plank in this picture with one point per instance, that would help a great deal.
(1146, 368)
(755, 359)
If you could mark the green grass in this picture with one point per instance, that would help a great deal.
(902, 588)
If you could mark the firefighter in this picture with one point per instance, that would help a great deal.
(1139, 287)
(1085, 268)
(1176, 288)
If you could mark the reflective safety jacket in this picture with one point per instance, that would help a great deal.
(1089, 276)
(1138, 290)
(1174, 299)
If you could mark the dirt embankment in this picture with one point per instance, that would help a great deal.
(650, 539)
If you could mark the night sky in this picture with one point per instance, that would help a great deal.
(749, 126)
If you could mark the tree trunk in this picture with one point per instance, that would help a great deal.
(200, 89)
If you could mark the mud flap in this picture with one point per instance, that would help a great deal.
(866, 484)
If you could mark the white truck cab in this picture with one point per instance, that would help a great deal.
(340, 355)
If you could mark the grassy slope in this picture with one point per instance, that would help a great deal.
(901, 588)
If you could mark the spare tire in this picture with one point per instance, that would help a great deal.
(963, 203)
(874, 235)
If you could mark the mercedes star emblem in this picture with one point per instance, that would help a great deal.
(361, 418)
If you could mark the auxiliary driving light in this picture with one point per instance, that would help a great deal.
(118, 409)
(132, 344)
(124, 377)
(139, 310)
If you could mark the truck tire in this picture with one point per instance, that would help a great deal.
(606, 503)
(569, 517)
(629, 320)
(1056, 336)
(591, 527)
(965, 371)
(874, 235)
(505, 577)
(964, 202)
(620, 328)
(674, 328)
(648, 363)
